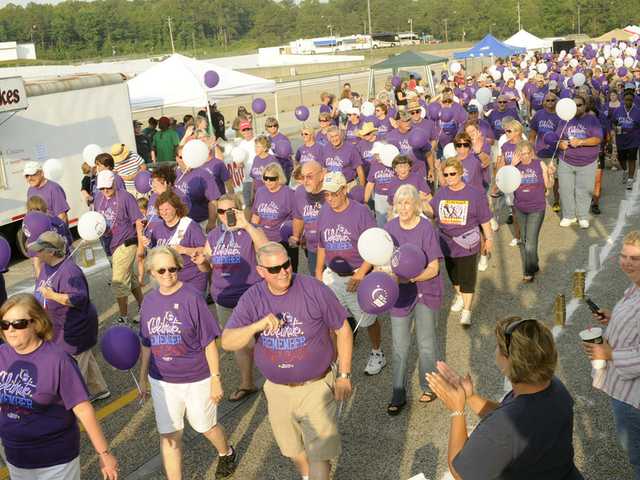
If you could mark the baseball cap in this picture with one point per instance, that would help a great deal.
(48, 240)
(333, 181)
(31, 168)
(245, 125)
(353, 111)
(137, 123)
(472, 108)
(105, 179)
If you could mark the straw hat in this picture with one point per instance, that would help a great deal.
(367, 128)
(119, 152)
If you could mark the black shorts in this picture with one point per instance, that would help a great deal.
(628, 155)
(463, 271)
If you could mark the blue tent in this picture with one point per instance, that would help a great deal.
(489, 46)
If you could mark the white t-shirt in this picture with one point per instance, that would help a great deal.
(250, 147)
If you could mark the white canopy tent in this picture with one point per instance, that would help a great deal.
(179, 81)
(524, 39)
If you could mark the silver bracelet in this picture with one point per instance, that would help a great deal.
(457, 413)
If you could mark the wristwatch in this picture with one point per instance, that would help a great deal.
(346, 375)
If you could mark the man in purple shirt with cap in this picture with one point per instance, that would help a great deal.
(292, 318)
(52, 193)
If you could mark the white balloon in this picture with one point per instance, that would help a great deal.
(388, 153)
(542, 68)
(344, 105)
(573, 62)
(496, 75)
(90, 152)
(230, 134)
(368, 109)
(622, 46)
(455, 67)
(579, 79)
(628, 62)
(483, 95)
(508, 179)
(566, 109)
(618, 62)
(615, 52)
(607, 54)
(423, 112)
(239, 155)
(376, 149)
(53, 169)
(449, 151)
(91, 226)
(508, 75)
(523, 64)
(195, 153)
(502, 140)
(601, 60)
(375, 246)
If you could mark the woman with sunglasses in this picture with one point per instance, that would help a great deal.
(420, 297)
(324, 119)
(529, 434)
(354, 123)
(382, 120)
(403, 175)
(261, 160)
(283, 150)
(461, 212)
(179, 362)
(620, 380)
(163, 179)
(529, 204)
(176, 230)
(42, 398)
(310, 148)
(544, 121)
(230, 255)
(273, 206)
(513, 133)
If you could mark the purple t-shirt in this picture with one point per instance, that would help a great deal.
(536, 96)
(412, 179)
(152, 211)
(544, 122)
(220, 172)
(301, 349)
(32, 232)
(384, 127)
(529, 197)
(381, 177)
(401, 141)
(460, 213)
(345, 159)
(351, 133)
(364, 148)
(339, 233)
(496, 117)
(429, 292)
(257, 169)
(447, 130)
(201, 188)
(473, 173)
(629, 124)
(586, 126)
(121, 212)
(486, 130)
(508, 150)
(53, 195)
(177, 328)
(191, 236)
(37, 394)
(321, 138)
(273, 209)
(233, 265)
(306, 154)
(75, 329)
(307, 208)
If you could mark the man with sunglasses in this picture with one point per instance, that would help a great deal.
(498, 114)
(51, 192)
(536, 94)
(339, 265)
(308, 200)
(292, 317)
(343, 157)
(422, 158)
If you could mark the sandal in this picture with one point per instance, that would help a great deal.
(394, 409)
(427, 397)
(242, 393)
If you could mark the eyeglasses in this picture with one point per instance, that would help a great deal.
(508, 131)
(550, 101)
(276, 269)
(501, 102)
(512, 328)
(269, 178)
(162, 271)
(579, 104)
(222, 211)
(305, 134)
(104, 188)
(450, 174)
(415, 112)
(447, 100)
(322, 120)
(27, 175)
(19, 324)
(243, 130)
(271, 126)
(462, 145)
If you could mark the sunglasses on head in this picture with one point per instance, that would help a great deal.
(450, 174)
(512, 328)
(462, 144)
(269, 178)
(162, 271)
(19, 324)
(276, 269)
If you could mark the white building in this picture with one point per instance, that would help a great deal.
(16, 51)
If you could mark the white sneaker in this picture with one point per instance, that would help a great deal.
(625, 176)
(483, 264)
(458, 304)
(629, 183)
(375, 364)
(584, 223)
(465, 318)
(567, 222)
(514, 242)
(494, 224)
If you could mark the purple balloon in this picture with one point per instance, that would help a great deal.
(433, 110)
(622, 71)
(286, 230)
(357, 194)
(446, 114)
(570, 83)
(418, 138)
(554, 76)
(258, 105)
(35, 224)
(211, 79)
(325, 108)
(595, 83)
(551, 138)
(396, 81)
(120, 347)
(302, 113)
(143, 181)
(282, 149)
(408, 261)
(377, 293)
(5, 254)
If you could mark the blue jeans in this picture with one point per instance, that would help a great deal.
(530, 225)
(627, 419)
(312, 258)
(425, 324)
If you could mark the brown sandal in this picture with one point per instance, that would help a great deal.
(427, 397)
(241, 393)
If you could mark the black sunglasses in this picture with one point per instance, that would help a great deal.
(450, 174)
(270, 126)
(269, 178)
(104, 188)
(508, 131)
(502, 103)
(276, 269)
(243, 130)
(579, 104)
(550, 100)
(512, 328)
(19, 324)
(447, 101)
(415, 112)
(162, 271)
(222, 211)
(460, 145)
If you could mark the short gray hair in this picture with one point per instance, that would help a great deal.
(407, 191)
(268, 249)
(162, 250)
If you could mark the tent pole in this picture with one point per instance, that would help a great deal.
(275, 100)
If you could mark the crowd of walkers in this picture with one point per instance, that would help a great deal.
(216, 252)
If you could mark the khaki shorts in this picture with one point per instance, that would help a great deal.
(123, 280)
(348, 300)
(303, 418)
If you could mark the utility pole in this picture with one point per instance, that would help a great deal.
(519, 23)
(446, 32)
(173, 47)
(579, 18)
(369, 16)
(410, 22)
(330, 27)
